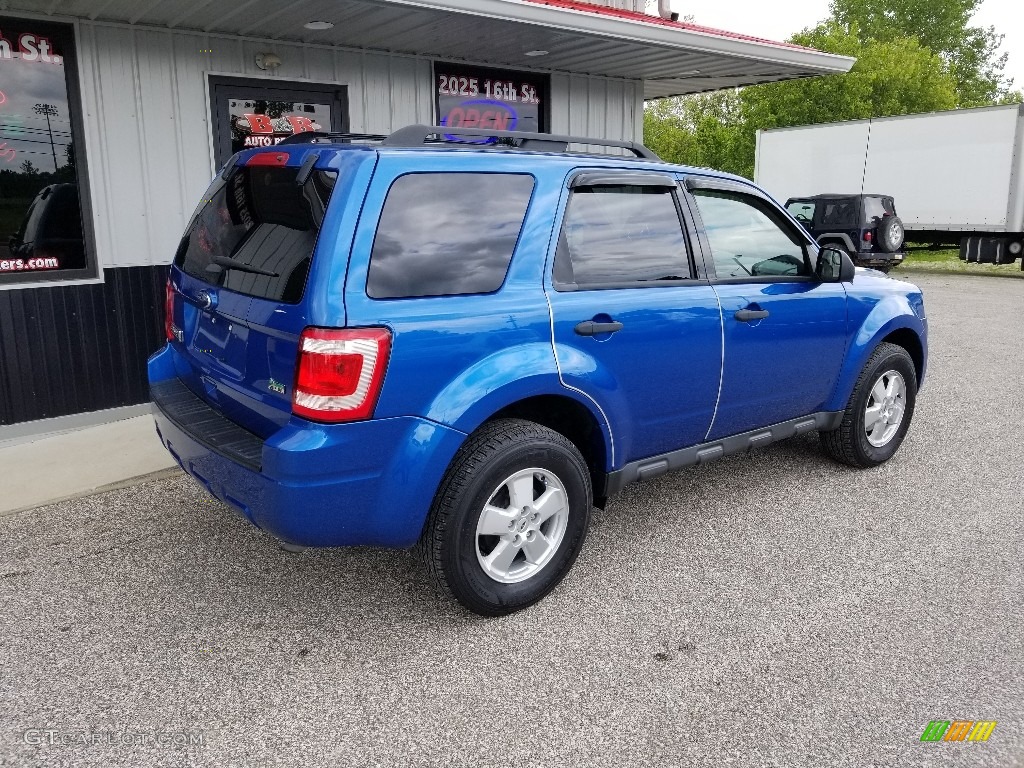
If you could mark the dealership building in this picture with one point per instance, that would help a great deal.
(115, 114)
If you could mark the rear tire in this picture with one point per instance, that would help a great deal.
(880, 410)
(509, 518)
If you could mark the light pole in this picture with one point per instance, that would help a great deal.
(47, 110)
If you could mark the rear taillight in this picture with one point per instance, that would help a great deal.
(169, 329)
(340, 373)
(867, 237)
(268, 158)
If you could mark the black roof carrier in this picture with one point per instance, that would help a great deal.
(323, 137)
(420, 135)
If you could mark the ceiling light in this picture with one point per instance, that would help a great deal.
(318, 25)
(536, 53)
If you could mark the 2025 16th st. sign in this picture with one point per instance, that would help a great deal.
(475, 97)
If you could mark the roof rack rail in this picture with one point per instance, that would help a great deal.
(418, 135)
(325, 137)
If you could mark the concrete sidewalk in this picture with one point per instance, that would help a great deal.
(40, 469)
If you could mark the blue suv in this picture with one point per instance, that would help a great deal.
(464, 343)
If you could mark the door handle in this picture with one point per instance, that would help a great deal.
(750, 315)
(590, 328)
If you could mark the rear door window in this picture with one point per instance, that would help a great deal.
(256, 233)
(621, 235)
(447, 234)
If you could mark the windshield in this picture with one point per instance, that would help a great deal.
(802, 210)
(256, 233)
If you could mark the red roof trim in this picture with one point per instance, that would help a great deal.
(601, 10)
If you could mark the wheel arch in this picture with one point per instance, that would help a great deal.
(837, 238)
(910, 341)
(575, 421)
(886, 323)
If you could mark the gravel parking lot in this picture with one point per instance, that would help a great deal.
(770, 610)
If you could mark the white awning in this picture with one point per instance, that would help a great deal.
(672, 58)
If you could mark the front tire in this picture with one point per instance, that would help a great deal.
(509, 518)
(879, 412)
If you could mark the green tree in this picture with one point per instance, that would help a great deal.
(702, 130)
(894, 77)
(970, 53)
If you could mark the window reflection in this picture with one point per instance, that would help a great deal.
(40, 210)
(621, 234)
(447, 234)
(745, 241)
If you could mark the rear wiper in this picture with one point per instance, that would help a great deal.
(218, 263)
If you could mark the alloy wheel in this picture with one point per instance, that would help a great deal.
(522, 525)
(886, 406)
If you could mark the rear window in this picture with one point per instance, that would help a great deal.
(256, 233)
(878, 207)
(447, 234)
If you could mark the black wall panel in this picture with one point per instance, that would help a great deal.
(78, 348)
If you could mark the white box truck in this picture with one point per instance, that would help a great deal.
(957, 177)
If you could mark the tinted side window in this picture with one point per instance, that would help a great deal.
(445, 234)
(616, 235)
(840, 213)
(747, 239)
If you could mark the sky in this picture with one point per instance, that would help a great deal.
(769, 20)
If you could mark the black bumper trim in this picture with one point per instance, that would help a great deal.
(205, 425)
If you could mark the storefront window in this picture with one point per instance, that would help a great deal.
(41, 233)
(474, 97)
(252, 112)
(263, 123)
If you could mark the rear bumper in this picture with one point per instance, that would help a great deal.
(315, 485)
(872, 258)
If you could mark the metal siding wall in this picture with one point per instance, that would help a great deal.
(597, 106)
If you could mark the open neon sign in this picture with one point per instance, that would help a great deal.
(480, 113)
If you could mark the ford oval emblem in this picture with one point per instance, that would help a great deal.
(205, 299)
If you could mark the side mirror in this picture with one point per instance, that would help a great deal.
(834, 265)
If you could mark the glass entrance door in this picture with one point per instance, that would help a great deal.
(250, 113)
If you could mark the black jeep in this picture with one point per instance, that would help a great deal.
(865, 226)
